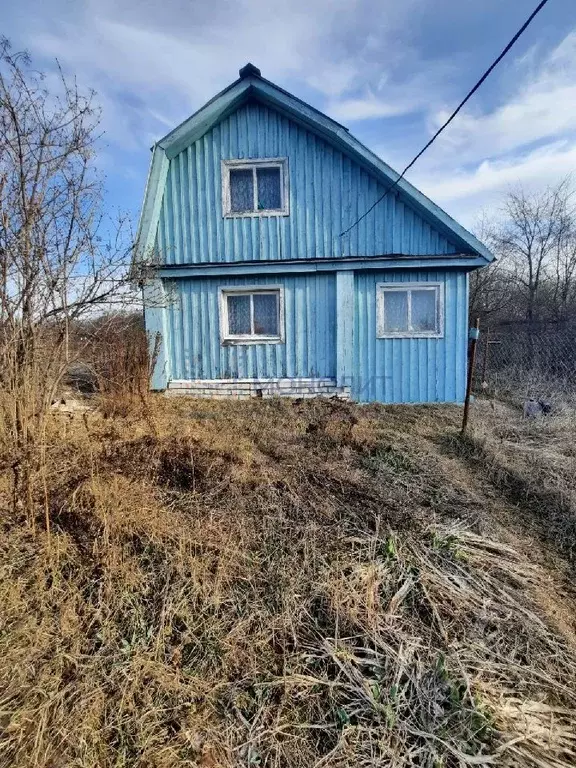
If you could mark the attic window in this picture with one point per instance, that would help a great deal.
(255, 187)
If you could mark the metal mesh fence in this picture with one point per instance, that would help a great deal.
(527, 362)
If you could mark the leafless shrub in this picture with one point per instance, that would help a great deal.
(56, 261)
(534, 277)
(115, 358)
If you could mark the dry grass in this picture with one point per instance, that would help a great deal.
(533, 463)
(276, 584)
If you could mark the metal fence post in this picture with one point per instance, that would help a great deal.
(486, 337)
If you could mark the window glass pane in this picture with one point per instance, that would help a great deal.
(269, 194)
(238, 314)
(395, 311)
(266, 314)
(423, 310)
(241, 190)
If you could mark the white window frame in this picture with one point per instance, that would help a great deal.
(250, 338)
(236, 165)
(383, 288)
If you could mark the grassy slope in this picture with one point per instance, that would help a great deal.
(279, 584)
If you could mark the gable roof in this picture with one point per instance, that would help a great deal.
(252, 86)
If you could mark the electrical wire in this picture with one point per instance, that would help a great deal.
(469, 95)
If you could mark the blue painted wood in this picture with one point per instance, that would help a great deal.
(410, 370)
(156, 319)
(153, 196)
(255, 88)
(322, 339)
(315, 265)
(327, 190)
(344, 328)
(193, 331)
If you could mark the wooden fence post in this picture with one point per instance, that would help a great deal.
(474, 334)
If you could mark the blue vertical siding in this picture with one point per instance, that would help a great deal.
(410, 370)
(384, 370)
(328, 191)
(329, 317)
(309, 348)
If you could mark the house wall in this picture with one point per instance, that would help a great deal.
(193, 329)
(410, 370)
(330, 332)
(328, 191)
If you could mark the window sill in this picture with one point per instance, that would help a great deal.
(254, 214)
(410, 335)
(235, 340)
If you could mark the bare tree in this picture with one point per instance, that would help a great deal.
(536, 240)
(491, 288)
(60, 258)
(492, 293)
(564, 263)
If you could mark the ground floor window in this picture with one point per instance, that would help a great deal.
(251, 315)
(409, 310)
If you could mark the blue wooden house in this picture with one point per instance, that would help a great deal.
(253, 289)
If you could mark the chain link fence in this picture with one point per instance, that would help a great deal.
(518, 362)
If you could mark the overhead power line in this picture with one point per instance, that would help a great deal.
(470, 93)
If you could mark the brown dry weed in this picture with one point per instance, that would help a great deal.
(276, 584)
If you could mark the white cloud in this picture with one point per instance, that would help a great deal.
(390, 99)
(336, 79)
(542, 107)
(399, 92)
(529, 139)
(368, 107)
(399, 82)
(463, 193)
(163, 68)
(154, 65)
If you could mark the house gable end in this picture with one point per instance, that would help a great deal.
(326, 189)
(333, 178)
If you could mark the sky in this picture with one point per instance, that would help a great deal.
(390, 70)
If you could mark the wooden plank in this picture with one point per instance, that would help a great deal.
(157, 327)
(344, 327)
